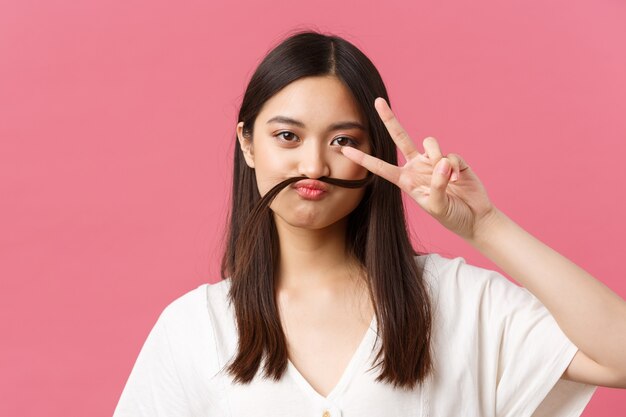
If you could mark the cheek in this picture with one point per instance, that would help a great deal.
(265, 157)
(270, 169)
(349, 170)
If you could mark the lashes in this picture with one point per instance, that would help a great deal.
(282, 138)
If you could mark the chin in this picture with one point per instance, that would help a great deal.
(312, 215)
(308, 220)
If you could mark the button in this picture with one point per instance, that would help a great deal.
(326, 413)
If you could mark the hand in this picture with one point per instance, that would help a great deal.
(459, 203)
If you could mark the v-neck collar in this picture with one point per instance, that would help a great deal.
(359, 355)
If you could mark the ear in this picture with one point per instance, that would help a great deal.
(246, 145)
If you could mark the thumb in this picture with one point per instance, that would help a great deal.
(438, 184)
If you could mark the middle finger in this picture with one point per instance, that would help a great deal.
(431, 148)
(397, 132)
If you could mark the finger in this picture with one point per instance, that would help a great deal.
(397, 132)
(379, 167)
(438, 199)
(458, 165)
(431, 148)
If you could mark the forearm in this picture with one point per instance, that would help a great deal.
(591, 315)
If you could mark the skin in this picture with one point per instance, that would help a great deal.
(324, 306)
(312, 233)
(591, 315)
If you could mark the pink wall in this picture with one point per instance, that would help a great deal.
(116, 126)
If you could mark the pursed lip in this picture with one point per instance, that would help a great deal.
(312, 184)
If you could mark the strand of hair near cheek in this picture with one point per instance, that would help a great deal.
(260, 211)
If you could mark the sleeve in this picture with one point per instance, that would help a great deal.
(532, 351)
(154, 388)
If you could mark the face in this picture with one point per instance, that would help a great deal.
(300, 132)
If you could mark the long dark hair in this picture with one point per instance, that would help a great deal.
(376, 233)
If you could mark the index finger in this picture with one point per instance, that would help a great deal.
(397, 132)
(379, 167)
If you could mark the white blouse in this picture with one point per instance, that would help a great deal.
(498, 352)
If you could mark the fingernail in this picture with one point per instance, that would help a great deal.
(454, 177)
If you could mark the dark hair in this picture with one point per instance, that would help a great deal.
(376, 233)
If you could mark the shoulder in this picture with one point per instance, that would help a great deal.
(443, 270)
(456, 284)
(438, 268)
(495, 340)
(191, 308)
(188, 325)
(190, 318)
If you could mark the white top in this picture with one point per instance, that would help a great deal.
(498, 352)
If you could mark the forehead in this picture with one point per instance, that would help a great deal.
(318, 101)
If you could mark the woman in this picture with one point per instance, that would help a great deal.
(325, 309)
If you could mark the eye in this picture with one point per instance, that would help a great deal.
(346, 141)
(284, 136)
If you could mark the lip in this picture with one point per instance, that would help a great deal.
(310, 189)
(311, 184)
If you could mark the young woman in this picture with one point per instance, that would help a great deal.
(326, 310)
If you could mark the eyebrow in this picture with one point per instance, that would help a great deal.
(333, 127)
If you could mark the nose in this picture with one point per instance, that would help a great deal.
(313, 162)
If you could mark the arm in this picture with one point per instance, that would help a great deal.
(589, 313)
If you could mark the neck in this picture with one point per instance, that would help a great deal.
(311, 259)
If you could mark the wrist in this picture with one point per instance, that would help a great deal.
(486, 226)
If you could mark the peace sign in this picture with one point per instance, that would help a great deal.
(458, 201)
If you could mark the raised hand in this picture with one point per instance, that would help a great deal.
(444, 186)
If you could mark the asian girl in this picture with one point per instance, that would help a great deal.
(318, 268)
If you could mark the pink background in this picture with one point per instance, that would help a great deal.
(116, 127)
